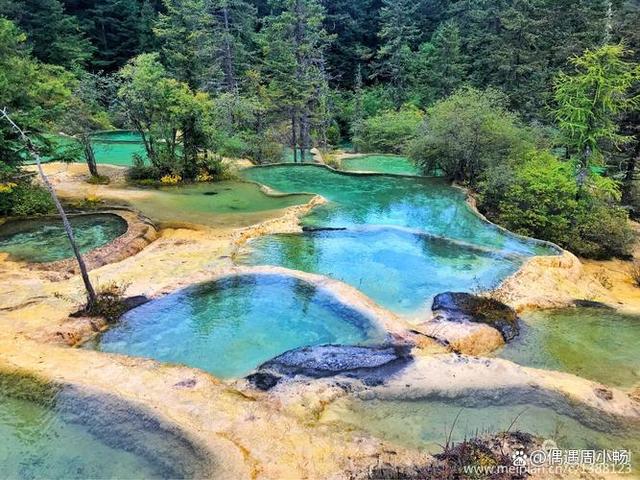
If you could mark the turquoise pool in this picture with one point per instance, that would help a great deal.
(399, 270)
(48, 432)
(231, 326)
(426, 204)
(381, 164)
(44, 240)
(595, 343)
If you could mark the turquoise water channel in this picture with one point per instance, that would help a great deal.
(231, 326)
(57, 434)
(44, 240)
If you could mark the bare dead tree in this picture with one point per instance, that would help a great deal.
(31, 147)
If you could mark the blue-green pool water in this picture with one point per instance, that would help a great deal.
(117, 136)
(426, 204)
(45, 240)
(231, 326)
(400, 240)
(56, 434)
(116, 147)
(427, 424)
(400, 270)
(595, 343)
(381, 164)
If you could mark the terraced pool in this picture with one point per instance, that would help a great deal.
(220, 204)
(44, 240)
(48, 432)
(400, 240)
(425, 204)
(381, 164)
(231, 326)
(428, 423)
(398, 269)
(595, 343)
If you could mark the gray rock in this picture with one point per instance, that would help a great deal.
(369, 364)
(466, 307)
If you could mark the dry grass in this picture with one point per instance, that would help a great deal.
(634, 273)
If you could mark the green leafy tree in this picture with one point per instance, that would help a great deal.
(468, 132)
(589, 101)
(167, 114)
(84, 113)
(34, 95)
(390, 131)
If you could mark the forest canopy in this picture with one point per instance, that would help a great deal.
(519, 100)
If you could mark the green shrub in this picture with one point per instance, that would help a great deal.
(537, 197)
(468, 132)
(388, 132)
(534, 198)
(25, 199)
(140, 171)
(601, 231)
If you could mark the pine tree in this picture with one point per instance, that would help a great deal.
(187, 46)
(56, 37)
(589, 102)
(293, 42)
(399, 34)
(438, 65)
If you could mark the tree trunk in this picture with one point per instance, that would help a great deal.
(89, 155)
(294, 140)
(627, 184)
(304, 136)
(91, 293)
(229, 71)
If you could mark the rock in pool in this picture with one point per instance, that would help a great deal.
(466, 307)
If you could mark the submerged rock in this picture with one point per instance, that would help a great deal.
(466, 307)
(591, 304)
(369, 364)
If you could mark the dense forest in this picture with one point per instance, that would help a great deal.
(533, 104)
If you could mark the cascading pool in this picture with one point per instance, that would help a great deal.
(398, 269)
(402, 239)
(48, 432)
(427, 423)
(426, 204)
(595, 343)
(219, 204)
(44, 240)
(230, 326)
(380, 163)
